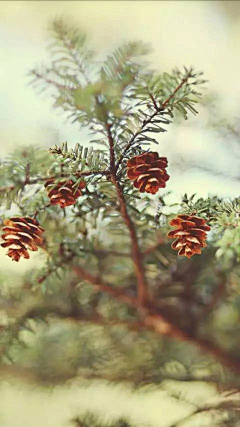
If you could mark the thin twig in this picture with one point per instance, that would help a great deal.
(37, 312)
(153, 100)
(166, 102)
(50, 81)
(7, 188)
(144, 124)
(161, 324)
(74, 56)
(46, 178)
(111, 147)
(159, 109)
(103, 287)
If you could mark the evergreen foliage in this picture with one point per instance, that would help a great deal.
(112, 300)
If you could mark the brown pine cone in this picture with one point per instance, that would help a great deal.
(20, 235)
(64, 193)
(190, 234)
(148, 172)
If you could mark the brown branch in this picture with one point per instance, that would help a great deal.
(103, 287)
(144, 124)
(74, 54)
(7, 188)
(162, 325)
(50, 81)
(37, 312)
(76, 174)
(153, 100)
(159, 109)
(157, 322)
(136, 253)
(111, 147)
(166, 102)
(46, 178)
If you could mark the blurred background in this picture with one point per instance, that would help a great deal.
(203, 152)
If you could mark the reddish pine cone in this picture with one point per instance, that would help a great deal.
(190, 234)
(64, 193)
(20, 235)
(148, 172)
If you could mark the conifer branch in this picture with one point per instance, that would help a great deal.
(158, 110)
(162, 325)
(111, 148)
(183, 81)
(105, 288)
(42, 312)
(34, 181)
(120, 127)
(76, 174)
(136, 253)
(70, 42)
(49, 81)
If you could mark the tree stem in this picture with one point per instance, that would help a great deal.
(136, 253)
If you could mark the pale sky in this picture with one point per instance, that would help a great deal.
(204, 34)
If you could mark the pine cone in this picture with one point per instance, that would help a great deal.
(21, 234)
(148, 172)
(64, 193)
(190, 234)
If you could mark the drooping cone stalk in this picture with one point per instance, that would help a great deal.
(64, 193)
(148, 172)
(190, 234)
(21, 234)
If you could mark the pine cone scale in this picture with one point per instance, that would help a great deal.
(156, 170)
(190, 234)
(21, 235)
(23, 224)
(147, 171)
(11, 234)
(193, 240)
(65, 193)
